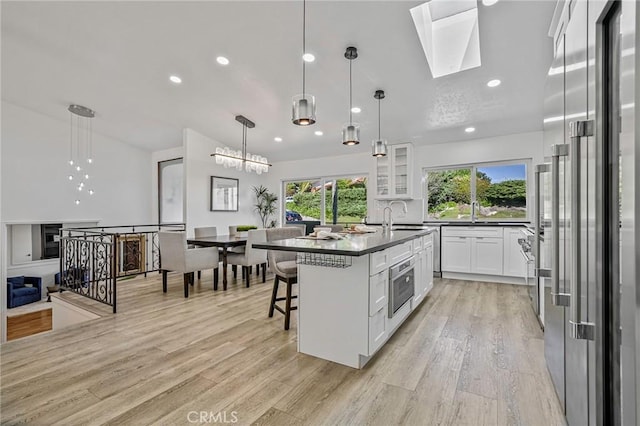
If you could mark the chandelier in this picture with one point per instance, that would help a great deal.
(230, 158)
(80, 148)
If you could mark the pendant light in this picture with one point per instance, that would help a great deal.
(304, 105)
(379, 146)
(242, 159)
(80, 148)
(351, 130)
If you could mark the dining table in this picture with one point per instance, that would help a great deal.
(225, 242)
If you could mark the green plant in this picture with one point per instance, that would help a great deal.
(244, 228)
(265, 204)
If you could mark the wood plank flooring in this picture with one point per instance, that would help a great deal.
(28, 324)
(471, 354)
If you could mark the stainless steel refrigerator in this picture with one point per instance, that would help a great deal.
(590, 297)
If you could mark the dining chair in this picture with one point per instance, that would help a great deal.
(251, 256)
(283, 264)
(202, 232)
(175, 256)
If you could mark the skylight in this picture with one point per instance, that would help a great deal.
(448, 32)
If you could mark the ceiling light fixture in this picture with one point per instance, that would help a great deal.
(351, 130)
(80, 144)
(277, 139)
(304, 105)
(379, 146)
(222, 60)
(308, 57)
(356, 110)
(494, 83)
(470, 129)
(237, 159)
(318, 133)
(489, 2)
(175, 79)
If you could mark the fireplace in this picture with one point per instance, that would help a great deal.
(131, 254)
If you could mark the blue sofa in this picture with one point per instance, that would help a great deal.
(18, 293)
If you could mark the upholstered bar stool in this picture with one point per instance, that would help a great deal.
(283, 265)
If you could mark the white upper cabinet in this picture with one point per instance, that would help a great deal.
(394, 173)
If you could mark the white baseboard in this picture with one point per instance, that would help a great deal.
(484, 278)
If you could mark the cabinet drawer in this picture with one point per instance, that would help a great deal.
(377, 330)
(400, 252)
(417, 245)
(472, 231)
(378, 261)
(378, 290)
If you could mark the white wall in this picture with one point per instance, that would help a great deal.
(35, 188)
(199, 167)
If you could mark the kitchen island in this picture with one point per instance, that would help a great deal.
(354, 293)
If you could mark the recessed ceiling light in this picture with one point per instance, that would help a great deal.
(308, 57)
(319, 133)
(277, 139)
(494, 83)
(175, 79)
(470, 129)
(222, 60)
(356, 110)
(489, 2)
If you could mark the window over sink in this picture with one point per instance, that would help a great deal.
(484, 191)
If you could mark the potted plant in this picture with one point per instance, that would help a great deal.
(265, 205)
(243, 230)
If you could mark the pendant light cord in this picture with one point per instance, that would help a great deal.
(350, 94)
(378, 118)
(304, 46)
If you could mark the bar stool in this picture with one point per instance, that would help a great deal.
(283, 264)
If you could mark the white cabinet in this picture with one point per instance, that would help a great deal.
(455, 254)
(486, 255)
(378, 291)
(377, 330)
(427, 256)
(514, 263)
(394, 173)
(472, 249)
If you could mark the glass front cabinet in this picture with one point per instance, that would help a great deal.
(394, 173)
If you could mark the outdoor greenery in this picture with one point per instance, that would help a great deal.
(450, 195)
(305, 198)
(266, 205)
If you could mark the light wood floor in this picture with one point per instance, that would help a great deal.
(472, 354)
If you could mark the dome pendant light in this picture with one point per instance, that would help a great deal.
(379, 146)
(351, 130)
(303, 112)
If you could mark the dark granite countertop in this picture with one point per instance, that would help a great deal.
(351, 245)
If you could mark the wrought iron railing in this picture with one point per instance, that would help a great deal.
(93, 258)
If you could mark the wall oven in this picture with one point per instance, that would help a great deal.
(401, 284)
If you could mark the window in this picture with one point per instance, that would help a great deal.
(341, 200)
(498, 189)
(170, 189)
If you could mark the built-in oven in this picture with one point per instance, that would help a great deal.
(401, 284)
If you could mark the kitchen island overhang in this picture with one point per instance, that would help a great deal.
(345, 291)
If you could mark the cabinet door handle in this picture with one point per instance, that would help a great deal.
(557, 298)
(479, 238)
(462, 238)
(578, 328)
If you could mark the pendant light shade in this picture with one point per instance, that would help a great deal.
(351, 130)
(379, 146)
(303, 112)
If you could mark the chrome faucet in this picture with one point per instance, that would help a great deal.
(388, 224)
(474, 204)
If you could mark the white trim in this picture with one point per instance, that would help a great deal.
(484, 278)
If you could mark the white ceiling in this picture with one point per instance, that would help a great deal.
(116, 57)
